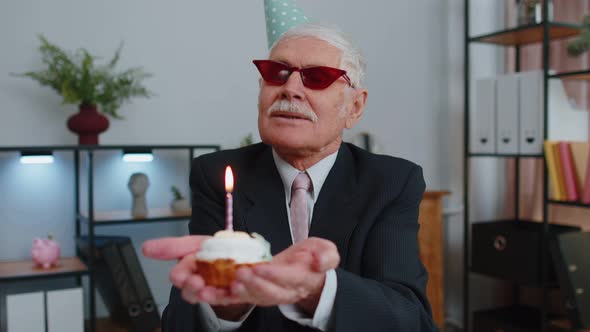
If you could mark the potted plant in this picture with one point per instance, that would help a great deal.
(531, 11)
(247, 140)
(581, 44)
(179, 203)
(80, 81)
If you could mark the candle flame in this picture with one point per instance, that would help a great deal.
(229, 180)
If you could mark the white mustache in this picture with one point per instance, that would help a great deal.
(284, 105)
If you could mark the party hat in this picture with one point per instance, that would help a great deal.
(281, 15)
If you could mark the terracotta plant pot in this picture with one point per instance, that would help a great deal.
(88, 124)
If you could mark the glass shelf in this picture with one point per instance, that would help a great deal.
(527, 34)
(124, 216)
(27, 270)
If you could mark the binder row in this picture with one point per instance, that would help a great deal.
(508, 116)
(122, 283)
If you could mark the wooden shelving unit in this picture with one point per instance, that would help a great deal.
(102, 218)
(527, 34)
(505, 318)
(581, 75)
(27, 270)
(93, 218)
(87, 222)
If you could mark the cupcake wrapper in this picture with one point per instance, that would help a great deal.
(220, 272)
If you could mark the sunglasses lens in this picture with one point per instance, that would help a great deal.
(316, 78)
(320, 77)
(273, 72)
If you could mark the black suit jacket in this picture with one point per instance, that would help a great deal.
(368, 206)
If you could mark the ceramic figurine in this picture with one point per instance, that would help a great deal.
(138, 185)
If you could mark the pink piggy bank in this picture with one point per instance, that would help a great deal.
(45, 252)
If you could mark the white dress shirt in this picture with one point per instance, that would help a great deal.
(323, 312)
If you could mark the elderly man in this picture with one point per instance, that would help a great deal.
(353, 264)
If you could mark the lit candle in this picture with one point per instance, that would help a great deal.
(229, 210)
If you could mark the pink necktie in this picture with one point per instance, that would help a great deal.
(298, 207)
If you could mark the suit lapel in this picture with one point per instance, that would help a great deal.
(264, 203)
(332, 216)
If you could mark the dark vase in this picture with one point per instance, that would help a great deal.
(88, 124)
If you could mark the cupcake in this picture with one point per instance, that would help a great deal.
(227, 251)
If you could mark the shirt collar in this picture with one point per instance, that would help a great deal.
(317, 173)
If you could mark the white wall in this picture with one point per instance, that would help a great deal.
(187, 45)
(205, 84)
(200, 52)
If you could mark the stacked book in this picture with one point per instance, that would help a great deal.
(569, 171)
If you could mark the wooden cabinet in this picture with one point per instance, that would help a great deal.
(430, 242)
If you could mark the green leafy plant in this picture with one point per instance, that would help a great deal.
(247, 140)
(527, 5)
(581, 44)
(79, 80)
(177, 194)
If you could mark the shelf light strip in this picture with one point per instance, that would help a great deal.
(36, 157)
(138, 157)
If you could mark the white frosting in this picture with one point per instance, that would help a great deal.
(239, 246)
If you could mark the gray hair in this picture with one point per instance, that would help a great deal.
(352, 60)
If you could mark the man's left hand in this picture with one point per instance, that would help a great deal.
(295, 275)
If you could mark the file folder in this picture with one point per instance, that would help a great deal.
(531, 112)
(482, 120)
(122, 284)
(507, 114)
(149, 316)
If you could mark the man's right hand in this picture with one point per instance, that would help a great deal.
(185, 277)
(282, 281)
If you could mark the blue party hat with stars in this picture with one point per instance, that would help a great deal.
(281, 15)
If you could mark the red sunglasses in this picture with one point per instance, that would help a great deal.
(316, 78)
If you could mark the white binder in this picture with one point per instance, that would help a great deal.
(507, 114)
(25, 312)
(531, 112)
(482, 120)
(65, 310)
